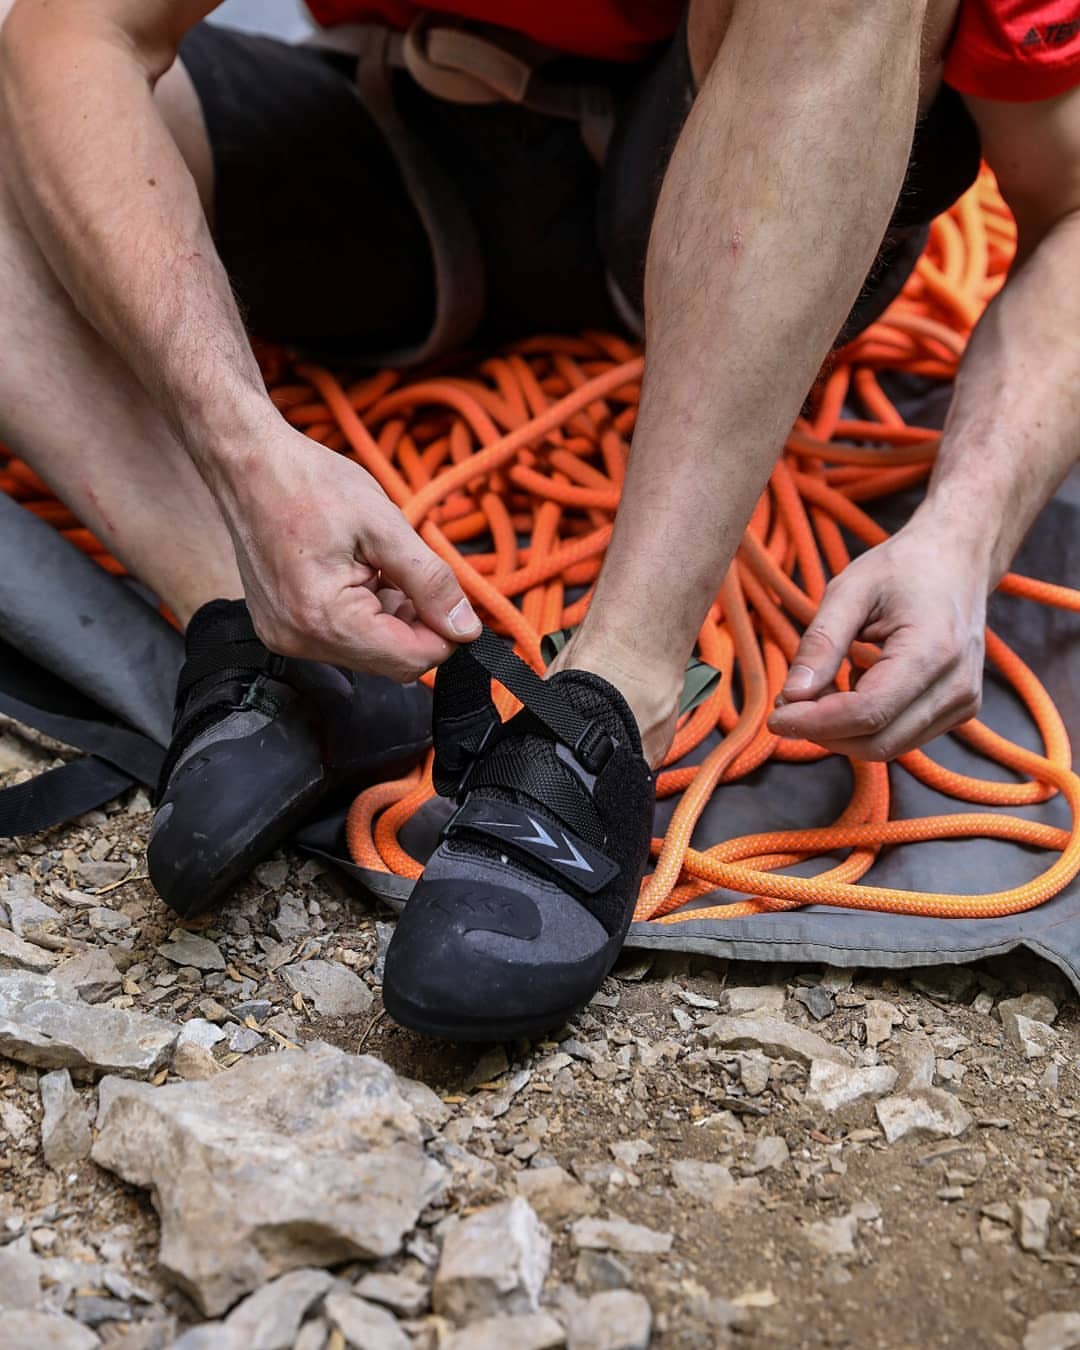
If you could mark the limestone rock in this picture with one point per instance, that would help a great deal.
(45, 1331)
(554, 1193)
(334, 989)
(1037, 1007)
(65, 1125)
(756, 998)
(28, 912)
(194, 1062)
(190, 949)
(17, 954)
(404, 1297)
(1033, 1223)
(210, 1336)
(45, 1023)
(913, 1056)
(834, 1237)
(494, 1262)
(881, 1017)
(711, 1183)
(833, 1086)
(92, 974)
(616, 1320)
(618, 1235)
(533, 1331)
(199, 1031)
(779, 1040)
(364, 1325)
(1053, 1331)
(20, 1280)
(270, 1318)
(296, 1159)
(1035, 1039)
(930, 1114)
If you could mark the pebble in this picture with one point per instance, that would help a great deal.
(616, 1320)
(881, 1016)
(243, 1039)
(364, 1325)
(404, 1297)
(46, 1024)
(185, 948)
(913, 1056)
(92, 973)
(834, 1237)
(711, 1183)
(770, 1152)
(65, 1125)
(26, 912)
(619, 1235)
(533, 1331)
(494, 1262)
(1033, 1223)
(17, 954)
(774, 1038)
(1037, 1007)
(194, 1063)
(333, 989)
(600, 1270)
(833, 1086)
(291, 921)
(1053, 1331)
(1034, 1039)
(818, 1001)
(46, 1331)
(756, 998)
(554, 1193)
(932, 1113)
(200, 1031)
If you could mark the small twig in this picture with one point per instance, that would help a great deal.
(369, 1029)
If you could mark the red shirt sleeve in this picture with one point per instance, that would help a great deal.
(1017, 51)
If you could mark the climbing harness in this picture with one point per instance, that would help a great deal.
(512, 474)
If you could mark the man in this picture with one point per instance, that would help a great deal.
(151, 164)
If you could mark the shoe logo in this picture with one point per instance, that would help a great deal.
(544, 840)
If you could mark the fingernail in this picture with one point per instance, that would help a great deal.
(780, 701)
(799, 678)
(463, 618)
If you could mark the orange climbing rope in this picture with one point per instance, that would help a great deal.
(511, 471)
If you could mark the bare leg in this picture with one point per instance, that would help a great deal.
(775, 201)
(74, 412)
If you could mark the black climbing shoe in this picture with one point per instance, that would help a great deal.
(258, 741)
(523, 907)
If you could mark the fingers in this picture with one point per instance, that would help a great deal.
(429, 583)
(898, 705)
(842, 615)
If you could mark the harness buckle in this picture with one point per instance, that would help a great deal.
(594, 747)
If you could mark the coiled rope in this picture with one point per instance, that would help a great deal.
(512, 473)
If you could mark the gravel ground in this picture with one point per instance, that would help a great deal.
(711, 1154)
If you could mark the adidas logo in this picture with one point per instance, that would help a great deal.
(1032, 38)
(1053, 35)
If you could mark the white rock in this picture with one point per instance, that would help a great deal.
(1037, 1007)
(15, 1122)
(334, 989)
(270, 1318)
(295, 1159)
(45, 1331)
(615, 1320)
(45, 1023)
(16, 954)
(554, 1193)
(618, 1235)
(65, 1125)
(833, 1086)
(770, 1151)
(756, 998)
(711, 1183)
(915, 1060)
(834, 1237)
(198, 1031)
(532, 1331)
(211, 1336)
(1033, 1223)
(779, 1040)
(404, 1297)
(92, 973)
(20, 1279)
(190, 949)
(1053, 1331)
(881, 1017)
(1035, 1039)
(364, 1325)
(932, 1113)
(494, 1262)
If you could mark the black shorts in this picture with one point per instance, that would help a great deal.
(326, 250)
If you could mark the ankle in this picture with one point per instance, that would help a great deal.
(651, 693)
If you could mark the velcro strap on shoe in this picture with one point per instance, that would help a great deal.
(540, 839)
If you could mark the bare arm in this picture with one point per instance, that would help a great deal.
(324, 556)
(1012, 434)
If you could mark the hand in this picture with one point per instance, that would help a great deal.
(332, 570)
(922, 596)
